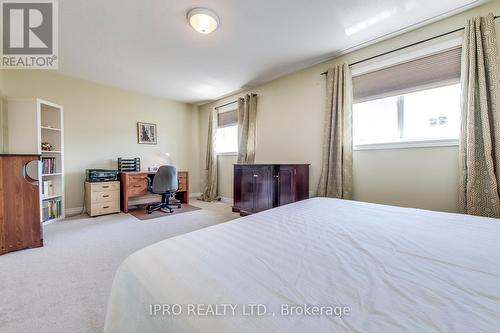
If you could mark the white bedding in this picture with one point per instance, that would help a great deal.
(396, 269)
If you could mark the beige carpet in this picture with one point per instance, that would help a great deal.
(141, 213)
(64, 286)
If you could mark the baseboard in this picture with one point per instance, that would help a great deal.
(222, 199)
(74, 211)
(226, 200)
(141, 201)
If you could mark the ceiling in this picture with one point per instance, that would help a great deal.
(148, 46)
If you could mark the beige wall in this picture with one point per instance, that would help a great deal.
(100, 125)
(290, 126)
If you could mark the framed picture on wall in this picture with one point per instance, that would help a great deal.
(146, 133)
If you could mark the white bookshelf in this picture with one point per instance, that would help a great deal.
(32, 122)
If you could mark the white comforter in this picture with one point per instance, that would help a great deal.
(395, 269)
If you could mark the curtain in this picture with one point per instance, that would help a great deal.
(336, 171)
(247, 114)
(210, 188)
(480, 130)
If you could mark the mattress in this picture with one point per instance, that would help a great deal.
(319, 265)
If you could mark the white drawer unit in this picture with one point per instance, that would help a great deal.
(102, 198)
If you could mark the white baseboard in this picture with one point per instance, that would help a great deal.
(222, 199)
(227, 200)
(144, 200)
(74, 211)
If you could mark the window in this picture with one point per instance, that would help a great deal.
(227, 140)
(414, 103)
(227, 131)
(431, 114)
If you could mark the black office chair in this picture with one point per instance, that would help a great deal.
(166, 183)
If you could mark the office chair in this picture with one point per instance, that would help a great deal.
(166, 183)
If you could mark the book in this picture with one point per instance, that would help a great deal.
(48, 165)
(51, 209)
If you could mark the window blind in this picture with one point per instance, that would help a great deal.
(408, 76)
(228, 118)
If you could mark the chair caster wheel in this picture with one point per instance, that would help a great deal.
(149, 211)
(179, 206)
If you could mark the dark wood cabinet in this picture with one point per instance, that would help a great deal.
(258, 187)
(20, 226)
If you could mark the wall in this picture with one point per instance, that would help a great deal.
(100, 126)
(290, 126)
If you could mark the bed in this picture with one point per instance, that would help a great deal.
(363, 267)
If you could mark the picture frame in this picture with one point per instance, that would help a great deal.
(147, 133)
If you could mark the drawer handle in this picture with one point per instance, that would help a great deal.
(105, 196)
(137, 185)
(256, 175)
(105, 187)
(105, 207)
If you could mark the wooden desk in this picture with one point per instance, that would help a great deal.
(135, 184)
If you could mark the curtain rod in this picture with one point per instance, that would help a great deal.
(223, 105)
(236, 101)
(407, 46)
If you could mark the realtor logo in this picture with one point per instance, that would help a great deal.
(29, 34)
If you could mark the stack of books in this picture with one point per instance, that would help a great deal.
(48, 165)
(47, 188)
(51, 209)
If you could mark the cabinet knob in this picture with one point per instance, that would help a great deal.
(256, 175)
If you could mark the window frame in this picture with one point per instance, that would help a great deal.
(408, 143)
(225, 109)
(412, 54)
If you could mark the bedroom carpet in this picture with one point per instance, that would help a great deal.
(141, 213)
(64, 286)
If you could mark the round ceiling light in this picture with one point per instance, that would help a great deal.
(203, 20)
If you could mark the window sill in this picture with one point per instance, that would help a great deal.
(227, 154)
(407, 144)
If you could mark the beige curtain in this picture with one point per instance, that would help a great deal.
(247, 114)
(480, 131)
(210, 176)
(336, 171)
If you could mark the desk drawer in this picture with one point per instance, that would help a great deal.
(105, 196)
(104, 208)
(105, 186)
(136, 189)
(183, 181)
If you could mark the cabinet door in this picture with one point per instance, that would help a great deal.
(263, 188)
(246, 202)
(286, 185)
(21, 223)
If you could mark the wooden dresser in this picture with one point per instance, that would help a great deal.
(20, 225)
(102, 198)
(135, 184)
(258, 187)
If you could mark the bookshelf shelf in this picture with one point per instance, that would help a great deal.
(51, 152)
(51, 221)
(50, 128)
(51, 197)
(51, 174)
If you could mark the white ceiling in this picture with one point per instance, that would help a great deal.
(148, 46)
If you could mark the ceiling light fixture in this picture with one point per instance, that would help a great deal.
(203, 20)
